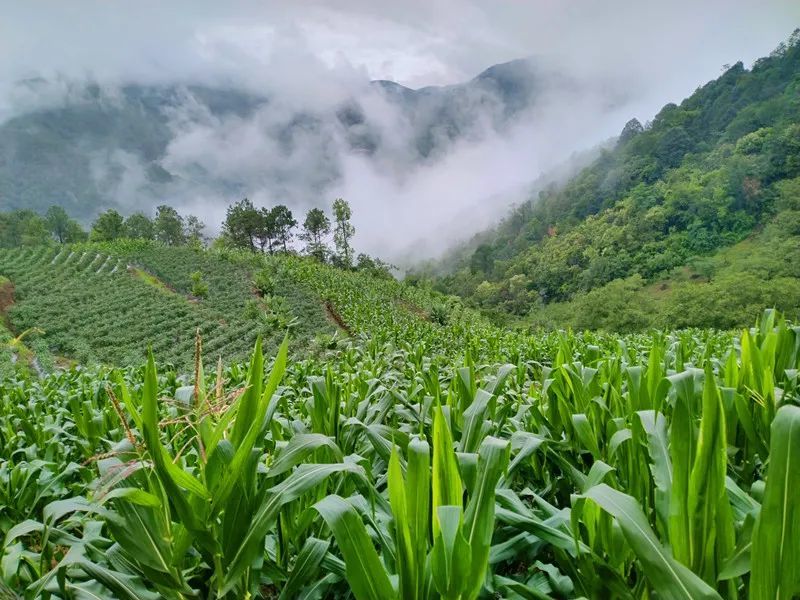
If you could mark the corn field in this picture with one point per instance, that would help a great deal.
(573, 466)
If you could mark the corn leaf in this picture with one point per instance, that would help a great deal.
(776, 537)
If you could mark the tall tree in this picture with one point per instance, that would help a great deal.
(22, 228)
(168, 226)
(242, 225)
(632, 129)
(139, 227)
(58, 223)
(266, 230)
(284, 223)
(75, 233)
(109, 226)
(194, 230)
(315, 226)
(343, 231)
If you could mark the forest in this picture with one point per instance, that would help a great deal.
(680, 216)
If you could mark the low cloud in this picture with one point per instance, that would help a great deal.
(407, 203)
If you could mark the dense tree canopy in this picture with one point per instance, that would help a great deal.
(110, 225)
(701, 177)
(62, 227)
(315, 226)
(139, 226)
(168, 226)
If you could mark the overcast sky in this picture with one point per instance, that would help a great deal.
(315, 54)
(415, 42)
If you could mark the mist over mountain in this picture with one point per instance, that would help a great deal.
(198, 104)
(88, 146)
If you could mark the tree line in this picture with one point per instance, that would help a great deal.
(273, 230)
(247, 227)
(167, 226)
(28, 228)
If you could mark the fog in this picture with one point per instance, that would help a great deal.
(598, 63)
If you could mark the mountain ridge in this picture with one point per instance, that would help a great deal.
(96, 142)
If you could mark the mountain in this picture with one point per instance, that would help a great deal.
(90, 146)
(689, 220)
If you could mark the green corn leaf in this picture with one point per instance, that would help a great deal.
(402, 531)
(164, 467)
(512, 511)
(447, 486)
(451, 558)
(144, 534)
(682, 451)
(710, 522)
(739, 562)
(525, 444)
(670, 579)
(493, 458)
(776, 537)
(305, 568)
(474, 417)
(317, 590)
(537, 590)
(418, 504)
(303, 479)
(127, 399)
(468, 469)
(135, 496)
(586, 435)
(299, 448)
(125, 586)
(654, 425)
(247, 405)
(366, 574)
(235, 470)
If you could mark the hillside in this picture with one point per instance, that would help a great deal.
(663, 205)
(107, 303)
(565, 455)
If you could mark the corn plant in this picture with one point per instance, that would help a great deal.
(424, 461)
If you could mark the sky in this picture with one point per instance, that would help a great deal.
(414, 42)
(317, 54)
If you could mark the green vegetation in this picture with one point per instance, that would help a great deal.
(462, 464)
(105, 302)
(317, 429)
(664, 205)
(270, 230)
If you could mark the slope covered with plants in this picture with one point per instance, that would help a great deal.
(584, 466)
(703, 176)
(107, 302)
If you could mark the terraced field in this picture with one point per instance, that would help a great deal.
(106, 303)
(98, 304)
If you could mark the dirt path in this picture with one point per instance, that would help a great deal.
(336, 318)
(6, 300)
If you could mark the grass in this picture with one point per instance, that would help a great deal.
(150, 279)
